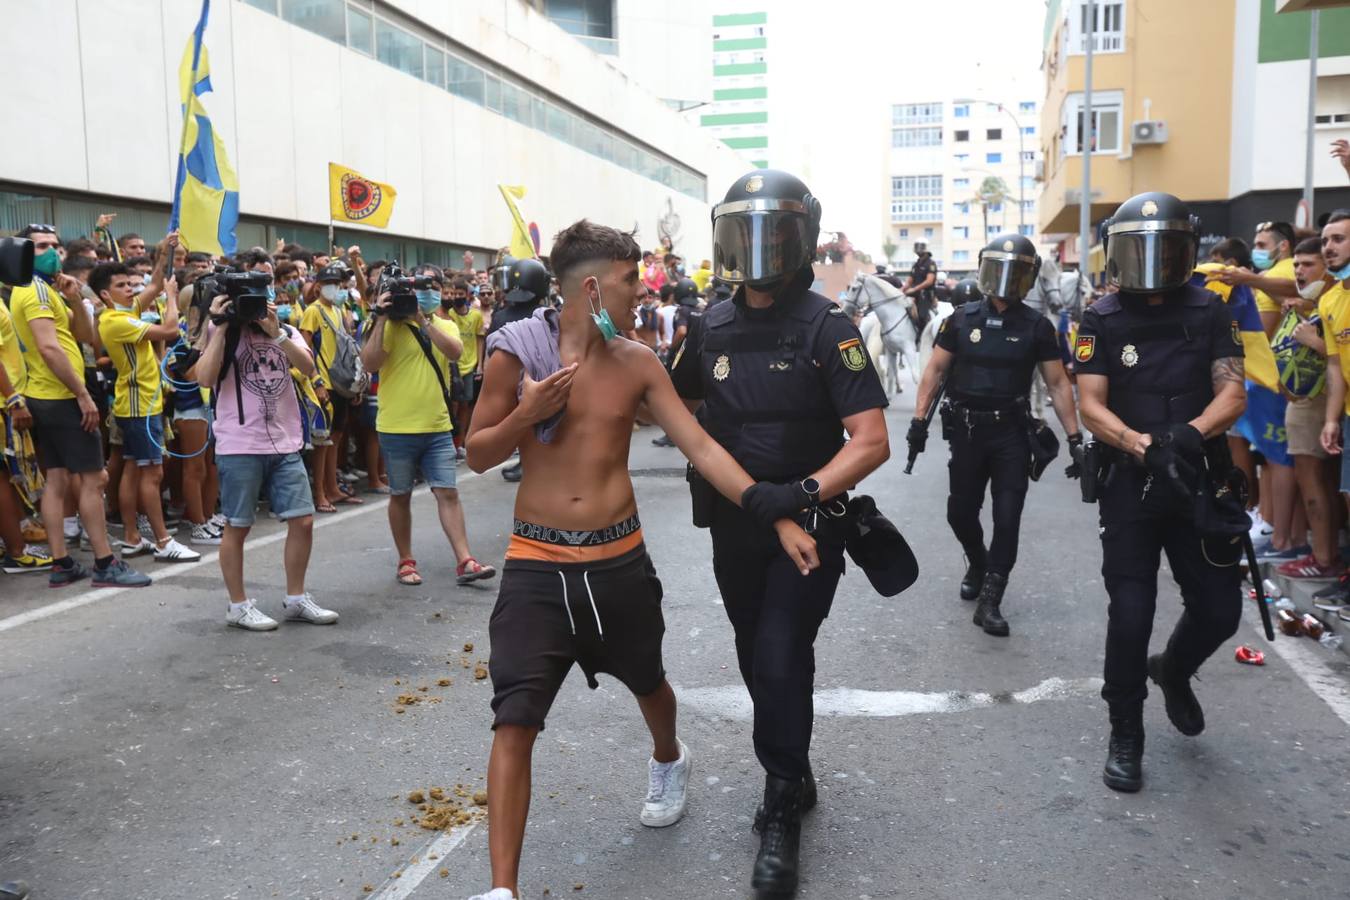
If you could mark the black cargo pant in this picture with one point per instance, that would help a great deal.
(1206, 570)
(775, 612)
(997, 456)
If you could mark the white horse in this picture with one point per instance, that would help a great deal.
(1046, 298)
(890, 330)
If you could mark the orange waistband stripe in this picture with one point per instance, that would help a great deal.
(542, 551)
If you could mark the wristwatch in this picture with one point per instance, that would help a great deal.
(811, 488)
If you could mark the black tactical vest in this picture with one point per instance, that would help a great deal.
(765, 399)
(1159, 357)
(995, 355)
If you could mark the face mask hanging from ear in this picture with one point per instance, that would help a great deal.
(601, 318)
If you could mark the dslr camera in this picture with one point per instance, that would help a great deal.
(247, 292)
(400, 287)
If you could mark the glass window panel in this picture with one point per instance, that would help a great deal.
(626, 155)
(325, 17)
(559, 123)
(492, 93)
(435, 66)
(465, 79)
(398, 48)
(264, 5)
(360, 31)
(515, 103)
(539, 113)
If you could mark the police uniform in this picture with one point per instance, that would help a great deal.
(1158, 361)
(776, 384)
(923, 267)
(995, 356)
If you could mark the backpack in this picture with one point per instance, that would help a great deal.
(349, 378)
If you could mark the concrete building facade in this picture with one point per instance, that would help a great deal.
(441, 100)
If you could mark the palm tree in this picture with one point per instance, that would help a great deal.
(888, 247)
(993, 191)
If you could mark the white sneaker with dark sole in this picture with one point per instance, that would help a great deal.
(145, 546)
(495, 894)
(250, 618)
(667, 790)
(204, 535)
(308, 611)
(173, 551)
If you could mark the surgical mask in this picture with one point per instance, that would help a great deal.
(124, 309)
(1262, 259)
(1340, 274)
(150, 316)
(147, 279)
(293, 286)
(48, 262)
(428, 300)
(271, 293)
(1312, 290)
(601, 318)
(284, 312)
(331, 292)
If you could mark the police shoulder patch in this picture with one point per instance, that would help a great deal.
(837, 311)
(1237, 333)
(1085, 347)
(851, 352)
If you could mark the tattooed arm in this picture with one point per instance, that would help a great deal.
(1230, 397)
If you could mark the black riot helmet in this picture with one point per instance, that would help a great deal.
(527, 281)
(765, 229)
(1151, 244)
(966, 291)
(1009, 265)
(686, 292)
(502, 272)
(920, 248)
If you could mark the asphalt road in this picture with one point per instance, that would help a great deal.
(150, 752)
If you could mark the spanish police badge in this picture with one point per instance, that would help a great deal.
(1084, 347)
(722, 368)
(1129, 356)
(975, 335)
(851, 352)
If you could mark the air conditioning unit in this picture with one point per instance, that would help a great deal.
(1148, 133)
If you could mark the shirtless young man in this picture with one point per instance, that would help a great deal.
(578, 586)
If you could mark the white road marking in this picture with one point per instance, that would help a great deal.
(733, 701)
(1307, 663)
(428, 859)
(53, 609)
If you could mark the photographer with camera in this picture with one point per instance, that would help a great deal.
(325, 326)
(412, 350)
(259, 433)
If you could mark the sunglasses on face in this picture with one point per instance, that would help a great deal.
(41, 229)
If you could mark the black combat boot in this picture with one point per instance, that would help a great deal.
(987, 614)
(776, 866)
(1182, 706)
(974, 580)
(808, 803)
(1124, 770)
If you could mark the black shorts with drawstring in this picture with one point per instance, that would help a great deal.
(603, 615)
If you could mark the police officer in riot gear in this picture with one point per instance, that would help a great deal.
(526, 284)
(987, 352)
(782, 374)
(920, 286)
(1160, 378)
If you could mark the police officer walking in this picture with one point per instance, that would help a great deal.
(782, 374)
(1160, 377)
(988, 351)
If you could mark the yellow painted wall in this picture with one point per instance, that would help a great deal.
(1179, 55)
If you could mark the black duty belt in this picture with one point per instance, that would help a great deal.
(1014, 412)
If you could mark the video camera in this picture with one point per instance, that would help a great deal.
(247, 292)
(400, 287)
(16, 260)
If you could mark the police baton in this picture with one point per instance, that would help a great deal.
(1254, 570)
(927, 422)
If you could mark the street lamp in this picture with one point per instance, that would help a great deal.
(1021, 157)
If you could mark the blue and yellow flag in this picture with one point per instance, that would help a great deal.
(206, 192)
(522, 243)
(1258, 358)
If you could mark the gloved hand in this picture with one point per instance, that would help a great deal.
(767, 502)
(917, 436)
(1075, 468)
(1166, 462)
(1187, 441)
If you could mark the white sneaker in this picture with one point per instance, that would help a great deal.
(204, 534)
(667, 792)
(218, 522)
(145, 546)
(71, 528)
(1260, 527)
(495, 894)
(308, 611)
(249, 618)
(175, 552)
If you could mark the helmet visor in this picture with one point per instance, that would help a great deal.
(759, 246)
(1006, 276)
(1151, 261)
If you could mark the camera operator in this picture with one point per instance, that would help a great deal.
(412, 350)
(259, 433)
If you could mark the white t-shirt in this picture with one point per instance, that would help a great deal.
(667, 314)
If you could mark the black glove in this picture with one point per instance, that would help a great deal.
(918, 435)
(1075, 468)
(1187, 441)
(1166, 462)
(767, 502)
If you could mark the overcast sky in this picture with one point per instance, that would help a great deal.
(836, 70)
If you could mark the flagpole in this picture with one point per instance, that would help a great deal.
(331, 245)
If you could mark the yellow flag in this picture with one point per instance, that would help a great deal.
(521, 245)
(355, 198)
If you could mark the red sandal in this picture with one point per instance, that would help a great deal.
(464, 574)
(407, 572)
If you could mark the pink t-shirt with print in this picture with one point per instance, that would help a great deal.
(272, 422)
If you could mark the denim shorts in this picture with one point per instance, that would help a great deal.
(244, 477)
(195, 414)
(404, 454)
(142, 439)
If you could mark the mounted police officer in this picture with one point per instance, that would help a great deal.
(782, 374)
(987, 351)
(921, 284)
(1160, 376)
